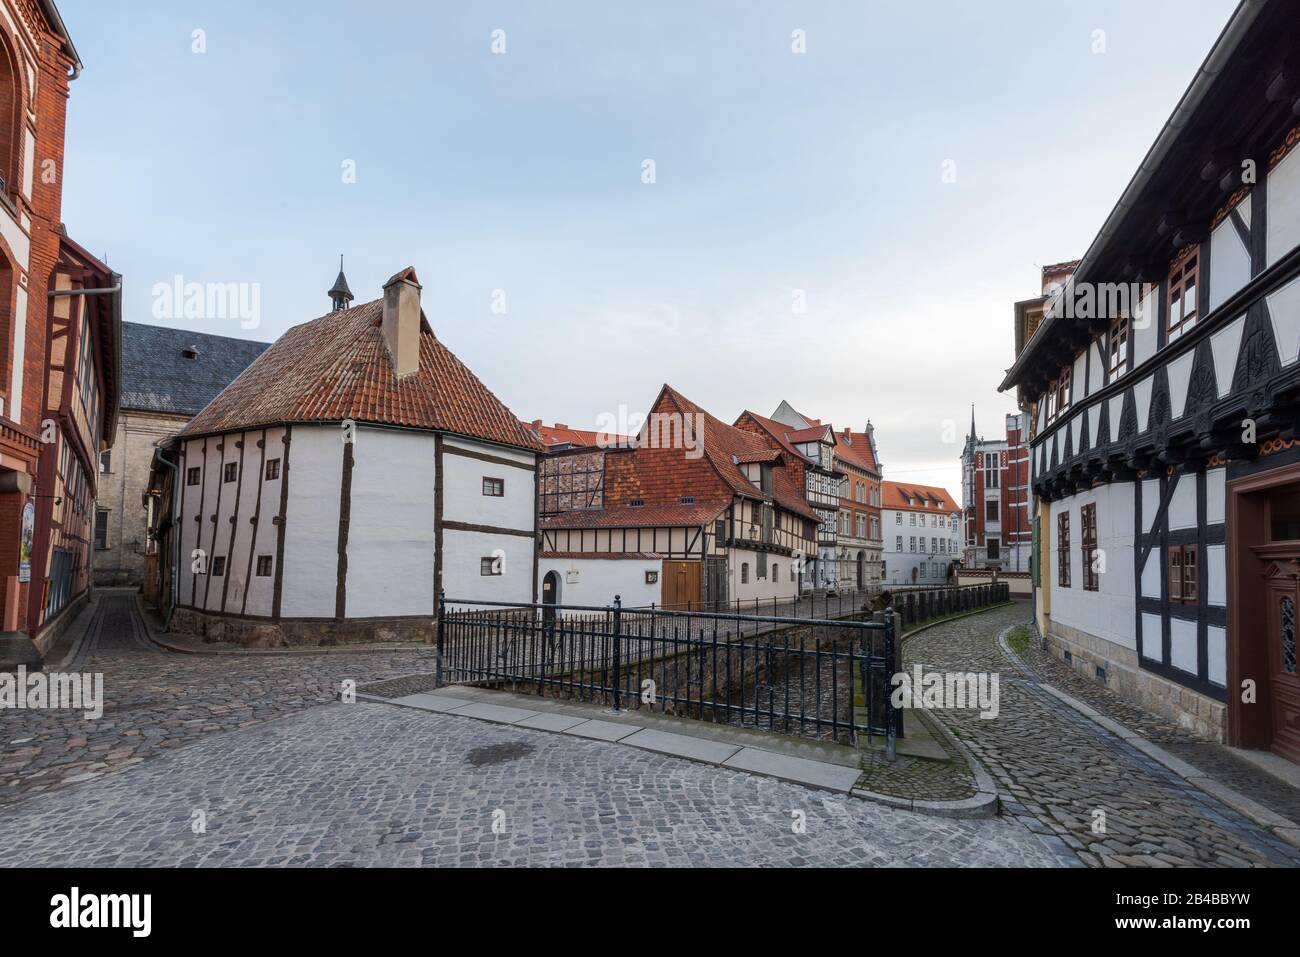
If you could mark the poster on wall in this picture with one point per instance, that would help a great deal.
(25, 542)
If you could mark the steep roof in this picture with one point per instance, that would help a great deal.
(725, 444)
(627, 516)
(780, 432)
(159, 376)
(856, 447)
(924, 497)
(337, 367)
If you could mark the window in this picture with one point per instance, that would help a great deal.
(635, 503)
(192, 476)
(762, 566)
(793, 576)
(875, 527)
(720, 531)
(1063, 391)
(231, 471)
(494, 487)
(911, 546)
(911, 518)
(1063, 549)
(263, 566)
(106, 460)
(991, 510)
(1117, 344)
(272, 470)
(992, 473)
(490, 566)
(1051, 401)
(101, 528)
(1184, 580)
(898, 518)
(218, 566)
(744, 573)
(1182, 294)
(1088, 536)
(776, 573)
(898, 543)
(687, 500)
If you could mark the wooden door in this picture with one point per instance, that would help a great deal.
(1282, 588)
(681, 585)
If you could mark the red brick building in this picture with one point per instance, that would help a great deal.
(59, 308)
(995, 490)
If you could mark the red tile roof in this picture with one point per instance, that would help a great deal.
(892, 497)
(767, 455)
(856, 447)
(632, 516)
(722, 442)
(552, 435)
(337, 367)
(779, 431)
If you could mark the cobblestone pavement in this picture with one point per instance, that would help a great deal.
(1212, 758)
(368, 784)
(1057, 769)
(155, 701)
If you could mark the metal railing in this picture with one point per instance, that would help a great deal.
(777, 673)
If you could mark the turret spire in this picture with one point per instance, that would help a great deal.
(340, 295)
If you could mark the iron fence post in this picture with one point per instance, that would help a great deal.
(442, 619)
(891, 668)
(618, 653)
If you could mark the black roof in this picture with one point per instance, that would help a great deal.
(179, 372)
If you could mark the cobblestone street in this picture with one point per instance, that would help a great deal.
(1057, 769)
(258, 751)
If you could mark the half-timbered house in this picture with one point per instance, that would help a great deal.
(713, 518)
(353, 471)
(808, 452)
(1164, 457)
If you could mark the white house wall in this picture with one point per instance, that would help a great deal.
(391, 527)
(595, 581)
(312, 522)
(1108, 612)
(1283, 220)
(776, 585)
(462, 555)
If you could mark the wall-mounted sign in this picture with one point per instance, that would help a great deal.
(651, 578)
(25, 542)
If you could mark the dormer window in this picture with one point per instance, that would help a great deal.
(190, 352)
(637, 503)
(688, 499)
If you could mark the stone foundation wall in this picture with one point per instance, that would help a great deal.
(287, 633)
(1190, 709)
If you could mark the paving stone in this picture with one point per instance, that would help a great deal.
(789, 768)
(550, 722)
(502, 714)
(603, 730)
(685, 746)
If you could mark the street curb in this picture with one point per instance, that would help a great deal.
(1282, 828)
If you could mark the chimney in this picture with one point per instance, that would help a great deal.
(402, 321)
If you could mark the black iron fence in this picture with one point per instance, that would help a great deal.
(785, 672)
(777, 673)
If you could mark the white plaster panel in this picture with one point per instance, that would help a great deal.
(595, 581)
(1182, 645)
(1144, 329)
(1077, 428)
(1150, 503)
(1229, 263)
(1182, 504)
(1283, 220)
(1094, 423)
(1108, 612)
(1215, 493)
(261, 588)
(1079, 378)
(1243, 208)
(1216, 584)
(312, 522)
(1284, 311)
(463, 498)
(391, 528)
(1224, 345)
(1151, 575)
(1216, 651)
(1151, 637)
(1116, 410)
(1095, 369)
(462, 555)
(1142, 398)
(1180, 373)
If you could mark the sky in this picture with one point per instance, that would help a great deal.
(842, 201)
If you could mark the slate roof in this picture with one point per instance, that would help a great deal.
(337, 367)
(157, 376)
